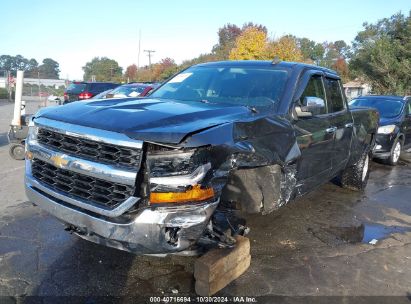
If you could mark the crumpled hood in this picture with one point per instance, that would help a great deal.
(156, 120)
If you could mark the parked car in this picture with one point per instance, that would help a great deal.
(168, 173)
(132, 90)
(54, 98)
(102, 95)
(85, 90)
(394, 133)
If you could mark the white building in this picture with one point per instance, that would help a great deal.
(356, 88)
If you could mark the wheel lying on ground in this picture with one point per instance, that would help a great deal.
(395, 153)
(356, 176)
(16, 151)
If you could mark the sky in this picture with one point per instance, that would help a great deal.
(73, 32)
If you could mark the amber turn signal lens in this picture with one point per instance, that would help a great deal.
(29, 155)
(194, 194)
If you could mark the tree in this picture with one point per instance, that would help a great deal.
(341, 67)
(6, 62)
(131, 72)
(284, 48)
(311, 50)
(382, 55)
(13, 63)
(254, 44)
(103, 69)
(32, 69)
(164, 69)
(49, 69)
(251, 44)
(260, 27)
(227, 36)
(342, 48)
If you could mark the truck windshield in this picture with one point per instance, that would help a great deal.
(248, 86)
(388, 108)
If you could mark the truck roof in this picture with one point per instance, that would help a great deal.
(267, 63)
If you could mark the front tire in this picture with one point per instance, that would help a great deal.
(395, 153)
(17, 151)
(356, 176)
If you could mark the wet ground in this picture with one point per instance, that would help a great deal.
(331, 242)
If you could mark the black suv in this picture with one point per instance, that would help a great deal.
(86, 90)
(394, 133)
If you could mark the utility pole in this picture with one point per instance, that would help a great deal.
(149, 56)
(139, 44)
(149, 62)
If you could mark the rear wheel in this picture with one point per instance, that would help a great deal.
(16, 151)
(395, 153)
(356, 176)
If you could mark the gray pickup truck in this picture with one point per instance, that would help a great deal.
(166, 174)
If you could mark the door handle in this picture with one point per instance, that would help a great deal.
(331, 130)
(349, 125)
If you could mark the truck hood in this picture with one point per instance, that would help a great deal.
(155, 120)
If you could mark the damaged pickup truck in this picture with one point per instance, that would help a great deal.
(165, 174)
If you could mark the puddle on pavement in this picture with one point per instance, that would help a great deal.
(379, 232)
(364, 233)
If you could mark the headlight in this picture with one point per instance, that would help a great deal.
(386, 129)
(32, 134)
(178, 176)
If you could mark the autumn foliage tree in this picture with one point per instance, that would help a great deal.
(341, 67)
(131, 73)
(285, 48)
(164, 69)
(254, 44)
(250, 45)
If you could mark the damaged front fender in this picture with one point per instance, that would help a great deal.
(251, 163)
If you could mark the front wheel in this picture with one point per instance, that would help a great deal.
(395, 153)
(16, 151)
(356, 176)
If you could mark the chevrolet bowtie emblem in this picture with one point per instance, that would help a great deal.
(58, 161)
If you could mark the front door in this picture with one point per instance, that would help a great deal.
(314, 139)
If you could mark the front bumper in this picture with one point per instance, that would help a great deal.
(383, 145)
(146, 233)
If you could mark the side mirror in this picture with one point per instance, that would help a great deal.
(109, 95)
(311, 106)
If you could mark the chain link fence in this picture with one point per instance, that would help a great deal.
(32, 87)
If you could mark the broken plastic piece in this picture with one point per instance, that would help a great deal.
(373, 242)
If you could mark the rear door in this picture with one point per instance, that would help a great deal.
(341, 121)
(314, 139)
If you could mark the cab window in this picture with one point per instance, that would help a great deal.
(334, 95)
(314, 91)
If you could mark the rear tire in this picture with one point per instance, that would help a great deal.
(356, 176)
(17, 151)
(395, 153)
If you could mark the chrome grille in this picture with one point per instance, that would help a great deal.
(79, 186)
(89, 149)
